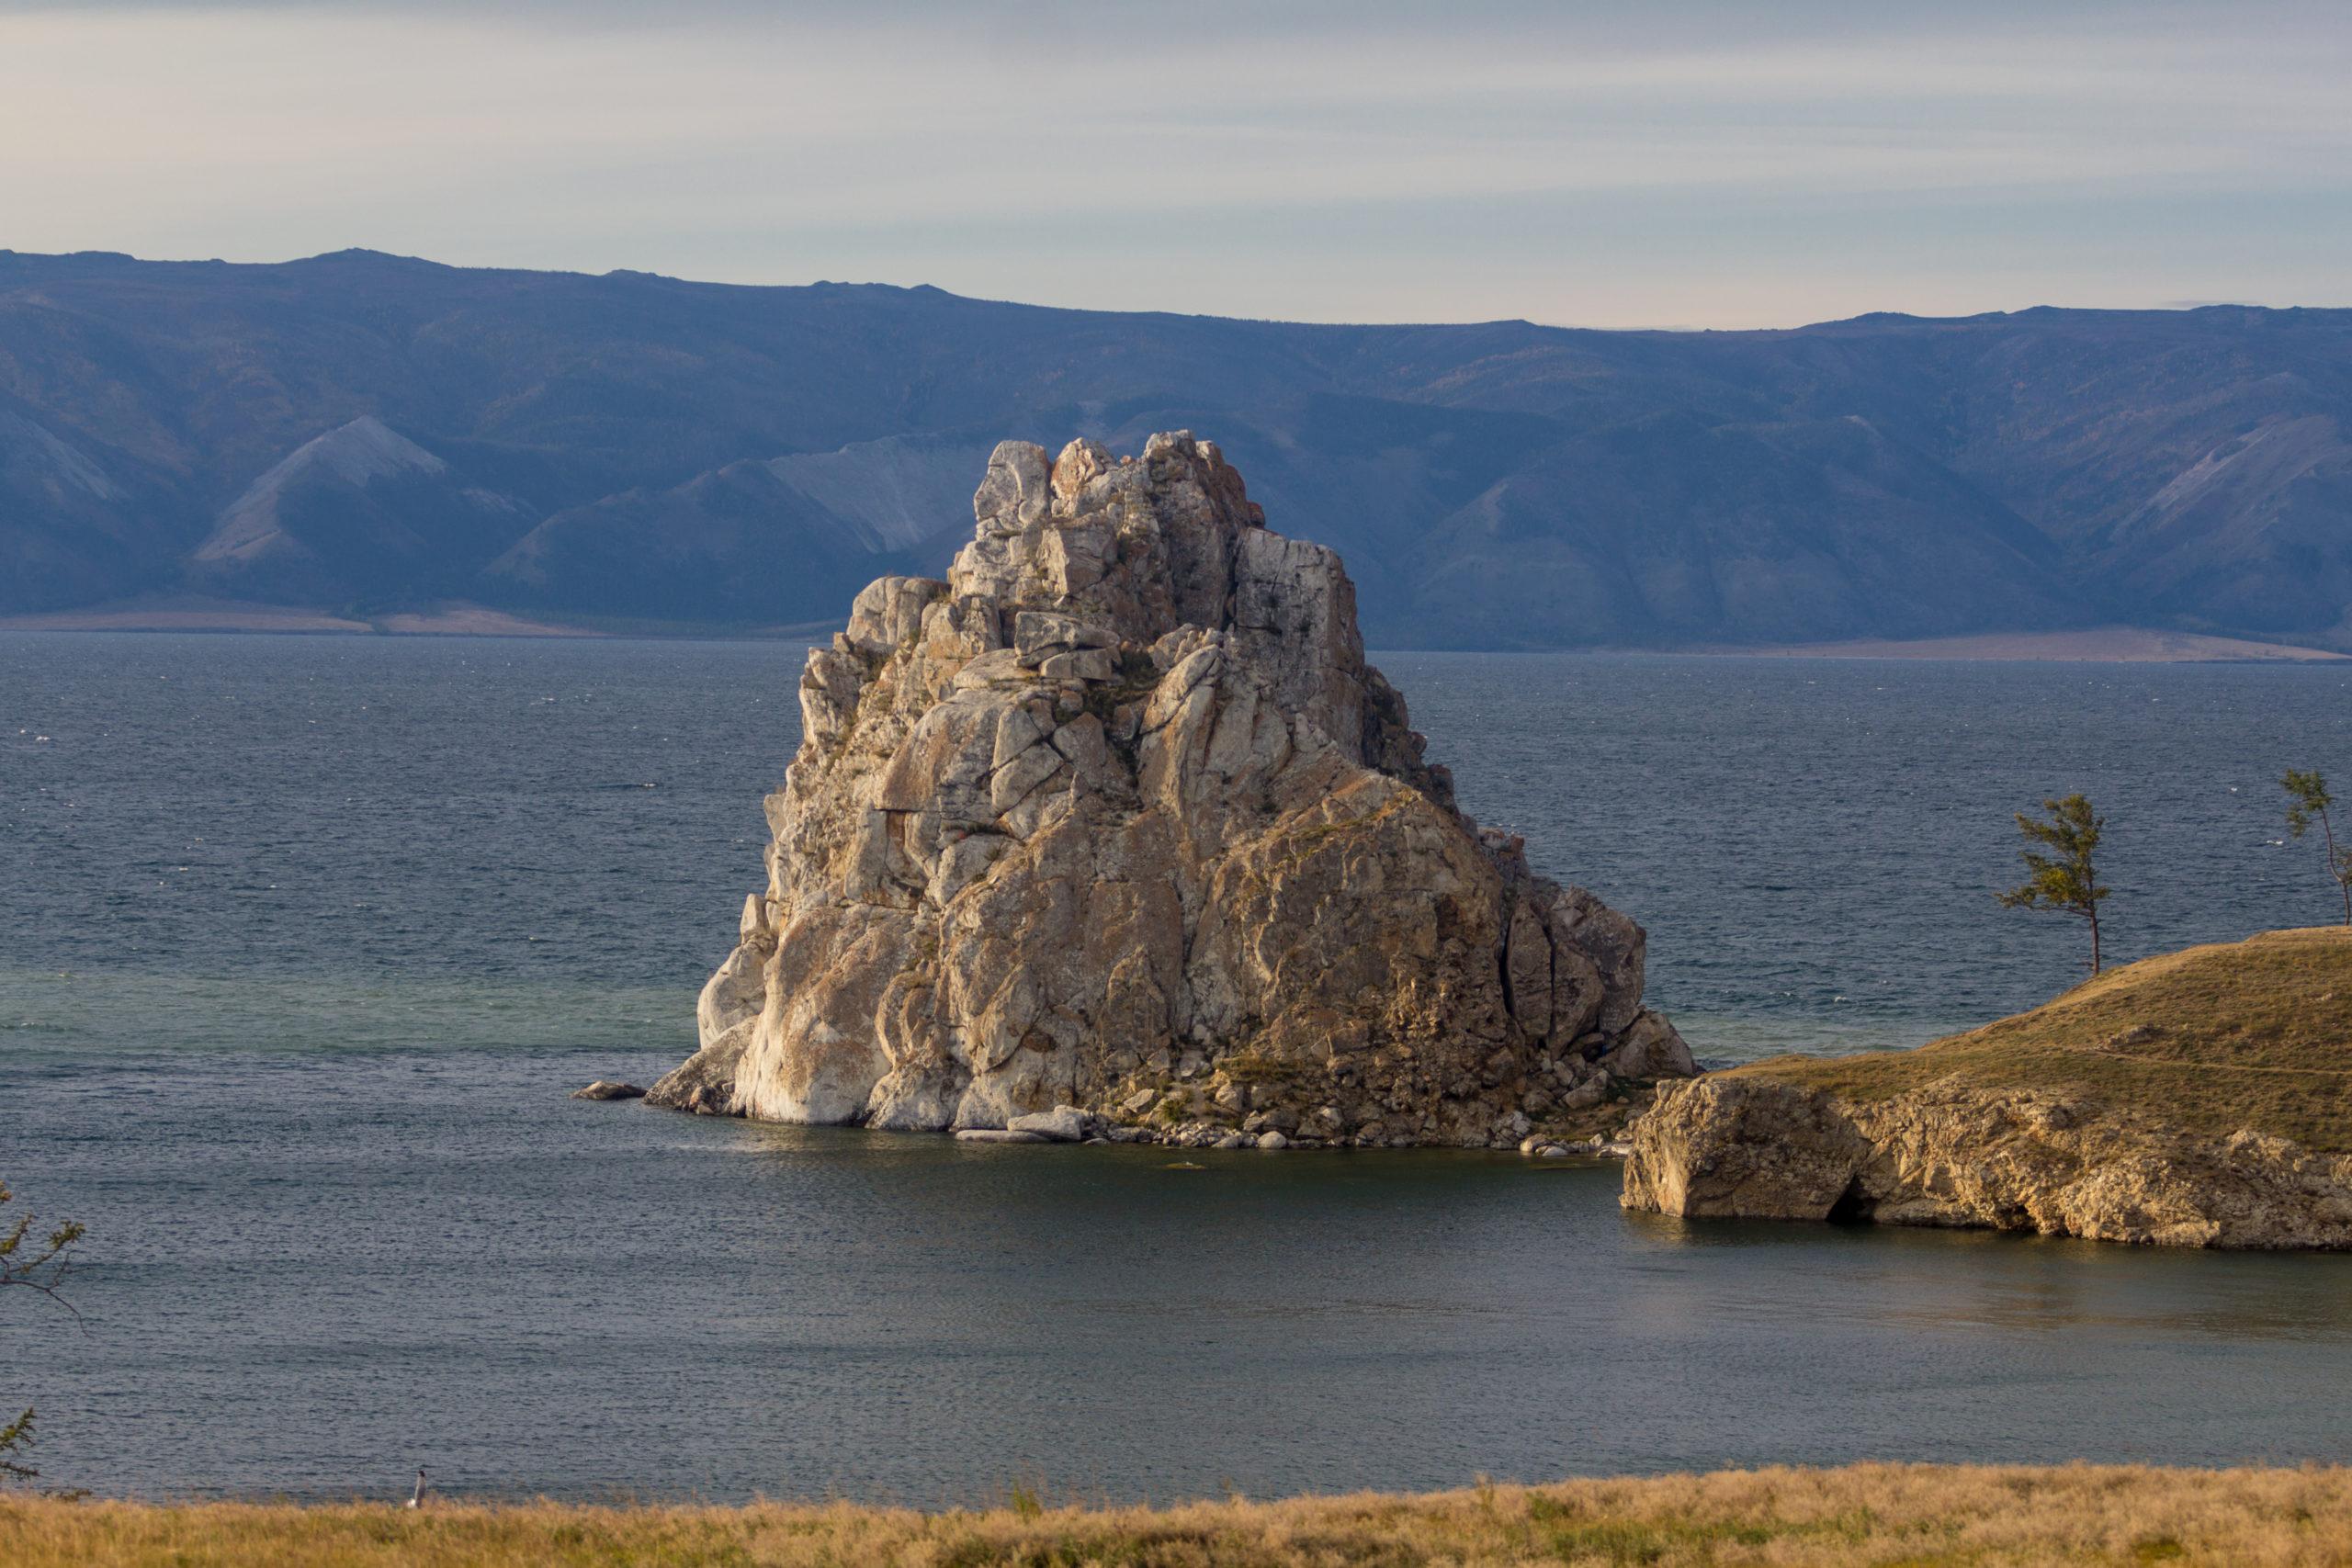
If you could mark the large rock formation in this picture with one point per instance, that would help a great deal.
(1117, 817)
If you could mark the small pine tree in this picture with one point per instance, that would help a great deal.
(2308, 800)
(2065, 881)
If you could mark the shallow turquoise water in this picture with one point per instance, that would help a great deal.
(305, 938)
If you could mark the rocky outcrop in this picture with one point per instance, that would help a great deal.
(1117, 817)
(1951, 1154)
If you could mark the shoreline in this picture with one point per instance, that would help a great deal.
(2096, 645)
(242, 618)
(1867, 1513)
(2091, 645)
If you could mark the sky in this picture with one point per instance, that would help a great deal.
(1661, 164)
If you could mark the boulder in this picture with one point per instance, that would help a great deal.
(1117, 817)
(609, 1089)
(1062, 1124)
(1650, 1049)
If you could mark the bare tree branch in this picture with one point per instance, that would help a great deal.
(39, 1264)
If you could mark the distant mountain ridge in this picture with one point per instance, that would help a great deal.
(365, 434)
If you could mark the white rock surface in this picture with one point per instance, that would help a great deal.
(1062, 1124)
(1118, 819)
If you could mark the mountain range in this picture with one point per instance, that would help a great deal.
(364, 434)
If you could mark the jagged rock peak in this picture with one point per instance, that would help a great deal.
(1118, 818)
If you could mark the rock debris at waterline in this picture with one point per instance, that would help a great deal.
(1116, 819)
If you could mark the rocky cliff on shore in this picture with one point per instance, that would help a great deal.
(2202, 1099)
(1117, 817)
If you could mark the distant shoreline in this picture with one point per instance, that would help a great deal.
(2093, 645)
(235, 615)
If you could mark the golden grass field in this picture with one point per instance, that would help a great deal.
(1882, 1515)
(2254, 1033)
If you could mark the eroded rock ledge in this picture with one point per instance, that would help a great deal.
(2201, 1098)
(1954, 1155)
(1118, 818)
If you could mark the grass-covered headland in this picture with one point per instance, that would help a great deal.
(2199, 1099)
(2254, 1033)
(1875, 1514)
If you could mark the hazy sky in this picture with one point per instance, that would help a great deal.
(1695, 164)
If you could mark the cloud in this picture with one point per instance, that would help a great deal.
(1358, 157)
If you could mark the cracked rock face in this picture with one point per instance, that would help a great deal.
(1949, 1153)
(1118, 818)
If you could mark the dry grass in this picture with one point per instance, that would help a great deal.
(1879, 1515)
(2256, 1033)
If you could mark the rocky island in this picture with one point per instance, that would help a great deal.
(1115, 831)
(2200, 1098)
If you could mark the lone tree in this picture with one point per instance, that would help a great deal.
(35, 1264)
(2307, 798)
(2065, 880)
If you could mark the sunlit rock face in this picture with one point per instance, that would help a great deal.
(1118, 818)
(1956, 1154)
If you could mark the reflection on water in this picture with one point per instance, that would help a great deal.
(313, 1273)
(1990, 1279)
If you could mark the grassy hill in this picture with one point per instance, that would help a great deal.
(2254, 1033)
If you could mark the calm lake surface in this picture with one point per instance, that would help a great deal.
(304, 941)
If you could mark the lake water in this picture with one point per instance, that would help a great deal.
(304, 940)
